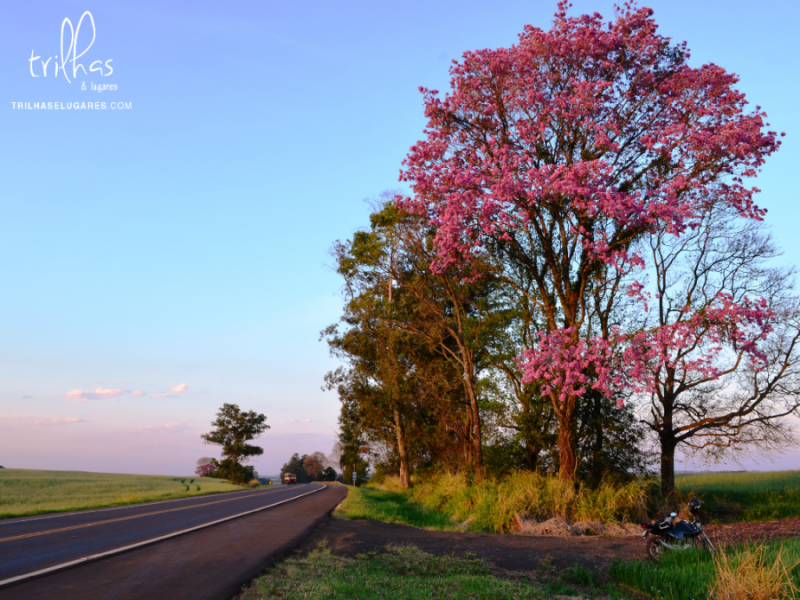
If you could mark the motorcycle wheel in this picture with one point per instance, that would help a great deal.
(704, 545)
(654, 549)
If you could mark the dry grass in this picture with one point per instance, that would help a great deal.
(752, 574)
(493, 505)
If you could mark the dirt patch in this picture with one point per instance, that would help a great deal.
(754, 532)
(503, 551)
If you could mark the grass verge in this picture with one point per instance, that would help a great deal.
(696, 575)
(392, 507)
(750, 496)
(30, 492)
(402, 573)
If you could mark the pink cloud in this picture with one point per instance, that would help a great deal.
(98, 394)
(181, 387)
(137, 393)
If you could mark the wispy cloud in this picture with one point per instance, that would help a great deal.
(98, 394)
(137, 393)
(60, 421)
(26, 421)
(300, 421)
(164, 427)
(27, 397)
(181, 387)
(163, 396)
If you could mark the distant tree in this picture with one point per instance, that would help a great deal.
(296, 465)
(233, 428)
(335, 456)
(314, 465)
(206, 467)
(329, 474)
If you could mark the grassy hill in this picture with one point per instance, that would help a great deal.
(30, 492)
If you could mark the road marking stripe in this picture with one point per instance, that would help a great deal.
(94, 557)
(150, 514)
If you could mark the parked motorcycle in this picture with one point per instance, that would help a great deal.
(675, 533)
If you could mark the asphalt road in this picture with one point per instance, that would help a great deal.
(209, 563)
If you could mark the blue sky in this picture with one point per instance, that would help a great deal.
(185, 240)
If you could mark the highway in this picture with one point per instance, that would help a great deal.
(169, 549)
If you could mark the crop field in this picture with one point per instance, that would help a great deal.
(750, 496)
(29, 492)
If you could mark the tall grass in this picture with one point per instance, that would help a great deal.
(756, 574)
(28, 492)
(751, 496)
(492, 505)
(740, 573)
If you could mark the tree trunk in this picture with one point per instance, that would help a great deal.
(667, 463)
(567, 446)
(405, 477)
(477, 452)
(668, 445)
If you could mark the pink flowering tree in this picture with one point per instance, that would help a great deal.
(205, 467)
(717, 360)
(559, 156)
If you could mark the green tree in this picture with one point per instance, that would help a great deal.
(233, 428)
(295, 465)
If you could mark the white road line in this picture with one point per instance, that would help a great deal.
(93, 557)
(134, 505)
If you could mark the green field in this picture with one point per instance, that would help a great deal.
(749, 496)
(30, 492)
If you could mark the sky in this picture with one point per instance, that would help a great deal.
(166, 257)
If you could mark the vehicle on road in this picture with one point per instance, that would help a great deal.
(289, 478)
(675, 533)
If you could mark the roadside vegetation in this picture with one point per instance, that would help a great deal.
(493, 505)
(745, 572)
(391, 506)
(30, 492)
(450, 502)
(406, 573)
(746, 496)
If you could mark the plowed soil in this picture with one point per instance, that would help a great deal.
(755, 532)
